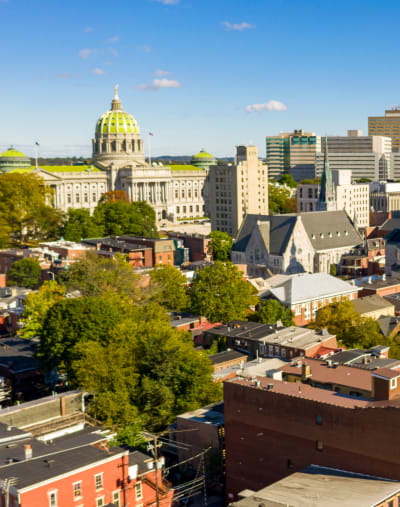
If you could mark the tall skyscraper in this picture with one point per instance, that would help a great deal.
(388, 125)
(292, 152)
(327, 197)
(237, 189)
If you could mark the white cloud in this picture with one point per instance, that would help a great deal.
(98, 71)
(113, 39)
(85, 53)
(88, 29)
(161, 73)
(239, 27)
(160, 83)
(166, 83)
(271, 105)
(168, 2)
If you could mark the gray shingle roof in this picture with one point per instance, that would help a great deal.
(371, 304)
(281, 227)
(330, 229)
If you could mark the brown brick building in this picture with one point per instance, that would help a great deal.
(275, 428)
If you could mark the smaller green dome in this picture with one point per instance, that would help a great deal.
(11, 152)
(203, 154)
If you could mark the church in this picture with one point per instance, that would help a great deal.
(118, 163)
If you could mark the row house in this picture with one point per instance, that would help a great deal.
(138, 256)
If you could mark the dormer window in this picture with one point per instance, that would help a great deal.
(330, 234)
(346, 233)
(312, 236)
(338, 234)
(321, 235)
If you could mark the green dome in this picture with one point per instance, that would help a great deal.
(203, 154)
(12, 159)
(117, 122)
(11, 152)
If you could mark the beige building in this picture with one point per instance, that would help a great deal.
(388, 125)
(353, 198)
(237, 190)
(374, 307)
(385, 197)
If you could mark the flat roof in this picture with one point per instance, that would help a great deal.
(17, 354)
(316, 486)
(226, 355)
(321, 372)
(211, 414)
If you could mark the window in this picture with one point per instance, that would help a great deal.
(77, 489)
(53, 499)
(138, 491)
(318, 420)
(98, 478)
(77, 198)
(94, 197)
(183, 193)
(86, 198)
(319, 445)
(177, 209)
(116, 499)
(176, 194)
(69, 200)
(100, 502)
(393, 383)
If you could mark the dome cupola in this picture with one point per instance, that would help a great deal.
(203, 160)
(12, 159)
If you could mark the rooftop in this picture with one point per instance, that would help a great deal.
(371, 304)
(115, 243)
(226, 355)
(17, 354)
(309, 286)
(211, 414)
(335, 487)
(323, 373)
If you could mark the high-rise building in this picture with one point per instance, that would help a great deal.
(236, 190)
(366, 156)
(388, 125)
(292, 152)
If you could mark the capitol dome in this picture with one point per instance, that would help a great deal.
(203, 160)
(117, 137)
(12, 159)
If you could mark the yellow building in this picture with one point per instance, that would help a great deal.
(388, 125)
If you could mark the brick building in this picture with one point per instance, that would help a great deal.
(163, 249)
(196, 243)
(138, 256)
(264, 340)
(306, 293)
(275, 428)
(76, 470)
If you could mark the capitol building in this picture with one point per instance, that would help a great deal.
(118, 163)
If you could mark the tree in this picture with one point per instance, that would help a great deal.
(76, 320)
(36, 307)
(169, 286)
(25, 273)
(349, 327)
(220, 245)
(120, 217)
(219, 293)
(280, 201)
(145, 375)
(114, 196)
(288, 180)
(269, 312)
(80, 225)
(96, 275)
(23, 207)
(332, 270)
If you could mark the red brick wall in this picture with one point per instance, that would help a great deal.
(269, 436)
(164, 258)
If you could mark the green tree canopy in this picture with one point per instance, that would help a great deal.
(288, 180)
(220, 245)
(280, 201)
(80, 225)
(24, 209)
(120, 217)
(96, 275)
(219, 293)
(269, 312)
(36, 307)
(146, 374)
(169, 287)
(349, 327)
(25, 273)
(76, 320)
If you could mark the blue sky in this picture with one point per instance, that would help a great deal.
(188, 69)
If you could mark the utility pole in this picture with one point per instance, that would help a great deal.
(154, 447)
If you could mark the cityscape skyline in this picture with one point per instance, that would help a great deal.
(275, 69)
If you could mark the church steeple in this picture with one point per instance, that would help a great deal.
(327, 197)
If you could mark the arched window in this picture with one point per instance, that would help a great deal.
(123, 146)
(114, 146)
(133, 145)
(104, 147)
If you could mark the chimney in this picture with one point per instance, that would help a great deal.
(305, 371)
(28, 451)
